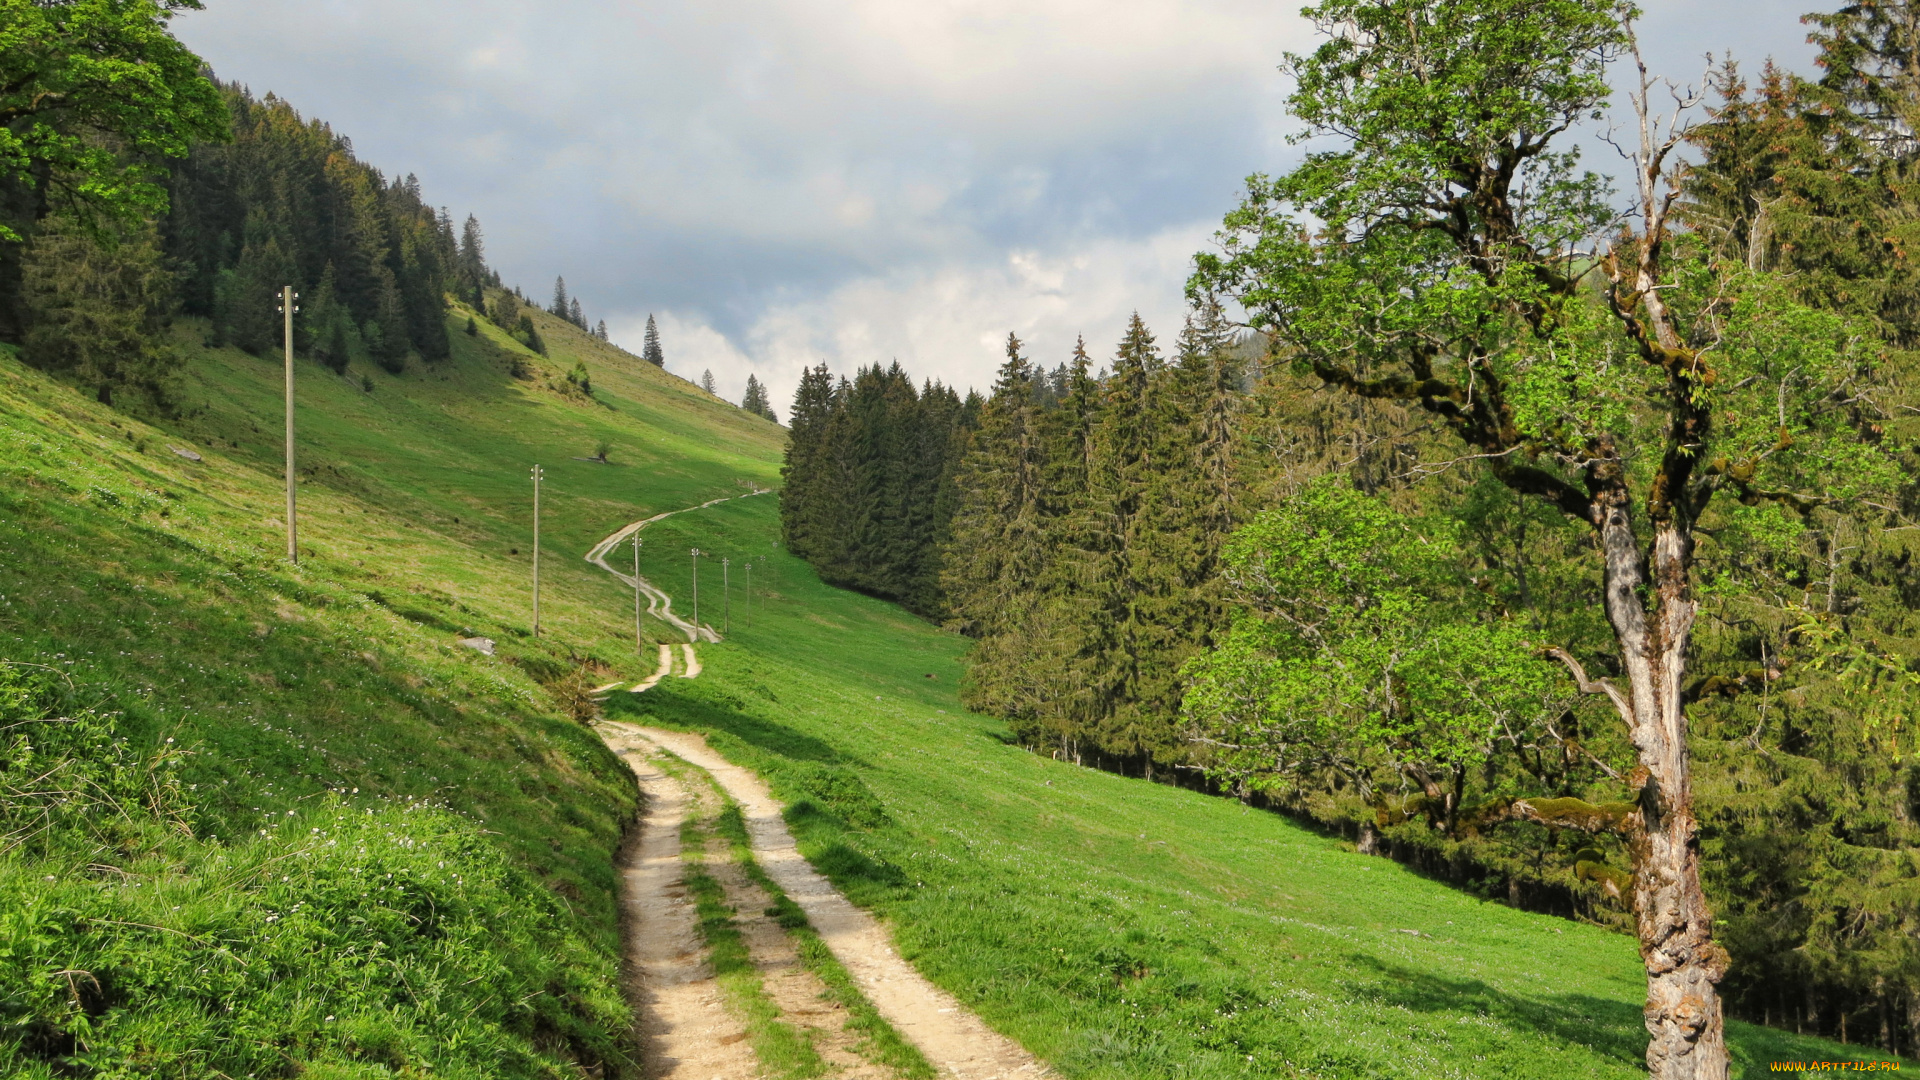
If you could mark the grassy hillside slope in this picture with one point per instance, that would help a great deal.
(368, 850)
(320, 719)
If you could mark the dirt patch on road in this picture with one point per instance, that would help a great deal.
(685, 1030)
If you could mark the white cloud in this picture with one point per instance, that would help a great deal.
(948, 323)
(785, 181)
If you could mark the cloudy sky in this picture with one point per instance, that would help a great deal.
(782, 182)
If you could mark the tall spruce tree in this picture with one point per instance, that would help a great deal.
(997, 556)
(387, 333)
(755, 399)
(1063, 638)
(97, 310)
(561, 301)
(330, 324)
(650, 345)
(473, 257)
(803, 472)
(1125, 581)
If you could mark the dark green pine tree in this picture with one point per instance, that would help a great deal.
(387, 332)
(997, 555)
(329, 322)
(936, 434)
(1064, 636)
(650, 346)
(600, 330)
(575, 314)
(248, 295)
(530, 334)
(874, 533)
(755, 398)
(1120, 628)
(1186, 512)
(560, 301)
(505, 312)
(473, 259)
(803, 471)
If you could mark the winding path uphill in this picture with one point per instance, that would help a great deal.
(694, 1027)
(659, 604)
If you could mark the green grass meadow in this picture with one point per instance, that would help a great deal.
(367, 851)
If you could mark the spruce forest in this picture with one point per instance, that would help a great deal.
(1336, 556)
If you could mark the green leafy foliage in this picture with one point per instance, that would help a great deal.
(96, 94)
(1359, 655)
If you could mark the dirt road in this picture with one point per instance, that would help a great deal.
(686, 1031)
(956, 1041)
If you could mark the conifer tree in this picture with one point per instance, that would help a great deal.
(389, 346)
(707, 383)
(560, 306)
(1062, 638)
(998, 555)
(530, 334)
(97, 311)
(506, 311)
(329, 321)
(575, 315)
(246, 315)
(650, 345)
(473, 259)
(1125, 580)
(935, 436)
(803, 473)
(600, 330)
(755, 400)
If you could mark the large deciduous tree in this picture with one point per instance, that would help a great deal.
(94, 94)
(1447, 252)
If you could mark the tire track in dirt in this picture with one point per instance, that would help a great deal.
(956, 1041)
(685, 1029)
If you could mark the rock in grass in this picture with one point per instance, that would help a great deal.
(478, 644)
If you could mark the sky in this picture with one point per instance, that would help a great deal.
(780, 183)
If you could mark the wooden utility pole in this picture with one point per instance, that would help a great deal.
(749, 593)
(293, 525)
(696, 589)
(726, 597)
(536, 551)
(639, 643)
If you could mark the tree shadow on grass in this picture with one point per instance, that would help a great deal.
(708, 710)
(1611, 1029)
